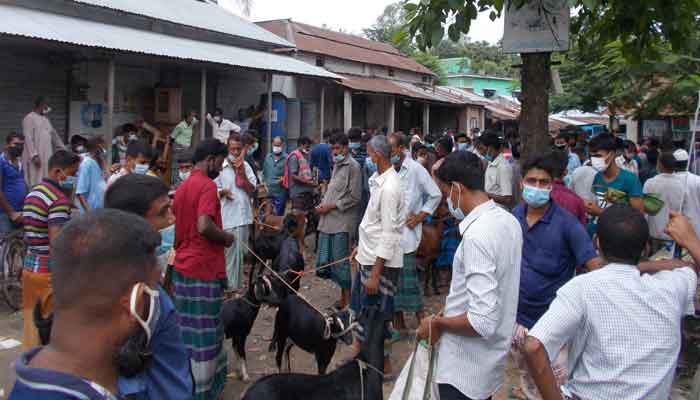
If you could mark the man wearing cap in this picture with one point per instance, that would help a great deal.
(672, 180)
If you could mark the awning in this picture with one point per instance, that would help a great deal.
(18, 21)
(501, 114)
(404, 89)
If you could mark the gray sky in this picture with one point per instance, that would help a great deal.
(351, 16)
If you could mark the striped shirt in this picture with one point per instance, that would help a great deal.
(623, 330)
(45, 206)
(485, 284)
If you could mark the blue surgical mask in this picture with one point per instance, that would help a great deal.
(461, 146)
(354, 145)
(567, 181)
(395, 159)
(339, 157)
(455, 211)
(535, 197)
(68, 183)
(141, 169)
(371, 166)
(253, 149)
(167, 239)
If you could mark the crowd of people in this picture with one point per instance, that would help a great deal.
(580, 261)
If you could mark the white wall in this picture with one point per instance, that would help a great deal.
(240, 89)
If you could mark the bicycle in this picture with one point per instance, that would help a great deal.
(12, 259)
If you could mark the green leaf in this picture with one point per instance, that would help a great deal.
(410, 7)
(456, 5)
(436, 34)
(493, 16)
(590, 4)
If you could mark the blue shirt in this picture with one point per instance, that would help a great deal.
(168, 376)
(13, 185)
(273, 170)
(552, 248)
(45, 384)
(573, 164)
(322, 159)
(91, 184)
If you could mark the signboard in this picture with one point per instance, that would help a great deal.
(654, 127)
(537, 27)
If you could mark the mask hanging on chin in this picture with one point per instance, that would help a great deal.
(134, 355)
(455, 211)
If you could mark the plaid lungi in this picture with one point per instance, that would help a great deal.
(37, 263)
(409, 297)
(384, 299)
(333, 247)
(198, 304)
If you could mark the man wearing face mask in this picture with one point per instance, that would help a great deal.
(573, 163)
(358, 151)
(199, 278)
(462, 142)
(168, 374)
(610, 176)
(40, 141)
(499, 173)
(91, 183)
(14, 189)
(273, 171)
(298, 178)
(477, 324)
(221, 127)
(137, 161)
(236, 207)
(46, 209)
(628, 159)
(184, 165)
(338, 212)
(421, 198)
(105, 277)
(554, 243)
(182, 138)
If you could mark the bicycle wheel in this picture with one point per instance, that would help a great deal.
(13, 261)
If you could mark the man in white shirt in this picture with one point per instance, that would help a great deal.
(221, 127)
(379, 252)
(477, 325)
(626, 160)
(582, 182)
(499, 173)
(421, 197)
(236, 209)
(623, 327)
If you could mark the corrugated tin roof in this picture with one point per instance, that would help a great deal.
(316, 40)
(24, 22)
(192, 13)
(405, 89)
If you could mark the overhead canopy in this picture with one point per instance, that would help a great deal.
(405, 89)
(18, 21)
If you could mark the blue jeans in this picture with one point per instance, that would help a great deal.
(279, 203)
(6, 226)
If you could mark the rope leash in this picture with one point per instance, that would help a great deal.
(300, 274)
(363, 366)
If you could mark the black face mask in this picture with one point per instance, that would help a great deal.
(560, 146)
(15, 151)
(134, 355)
(212, 172)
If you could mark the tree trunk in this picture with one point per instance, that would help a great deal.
(534, 115)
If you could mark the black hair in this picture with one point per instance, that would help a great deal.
(135, 193)
(98, 257)
(445, 143)
(304, 141)
(39, 101)
(418, 146)
(75, 139)
(667, 160)
(559, 161)
(209, 148)
(94, 142)
(218, 111)
(653, 157)
(460, 136)
(366, 138)
(604, 141)
(233, 136)
(339, 138)
(622, 234)
(126, 128)
(355, 134)
(248, 138)
(463, 167)
(184, 157)
(401, 139)
(136, 147)
(562, 136)
(491, 140)
(546, 162)
(63, 159)
(12, 136)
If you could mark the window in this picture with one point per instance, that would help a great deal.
(426, 79)
(391, 72)
(320, 61)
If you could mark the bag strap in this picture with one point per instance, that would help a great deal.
(409, 378)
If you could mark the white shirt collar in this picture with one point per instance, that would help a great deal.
(475, 214)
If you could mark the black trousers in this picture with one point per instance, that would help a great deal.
(448, 392)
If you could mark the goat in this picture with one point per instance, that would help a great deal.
(297, 321)
(238, 316)
(358, 379)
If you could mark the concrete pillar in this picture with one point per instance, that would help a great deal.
(322, 112)
(391, 115)
(463, 119)
(203, 105)
(426, 119)
(347, 110)
(269, 111)
(111, 71)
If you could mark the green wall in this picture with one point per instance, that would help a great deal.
(456, 70)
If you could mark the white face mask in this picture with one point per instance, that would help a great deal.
(277, 149)
(151, 321)
(183, 175)
(46, 110)
(422, 160)
(599, 163)
(194, 121)
(217, 119)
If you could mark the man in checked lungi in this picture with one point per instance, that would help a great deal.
(379, 251)
(338, 212)
(421, 197)
(199, 278)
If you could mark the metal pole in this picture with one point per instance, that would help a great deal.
(323, 111)
(269, 111)
(111, 67)
(203, 106)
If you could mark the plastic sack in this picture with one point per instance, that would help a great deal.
(416, 381)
